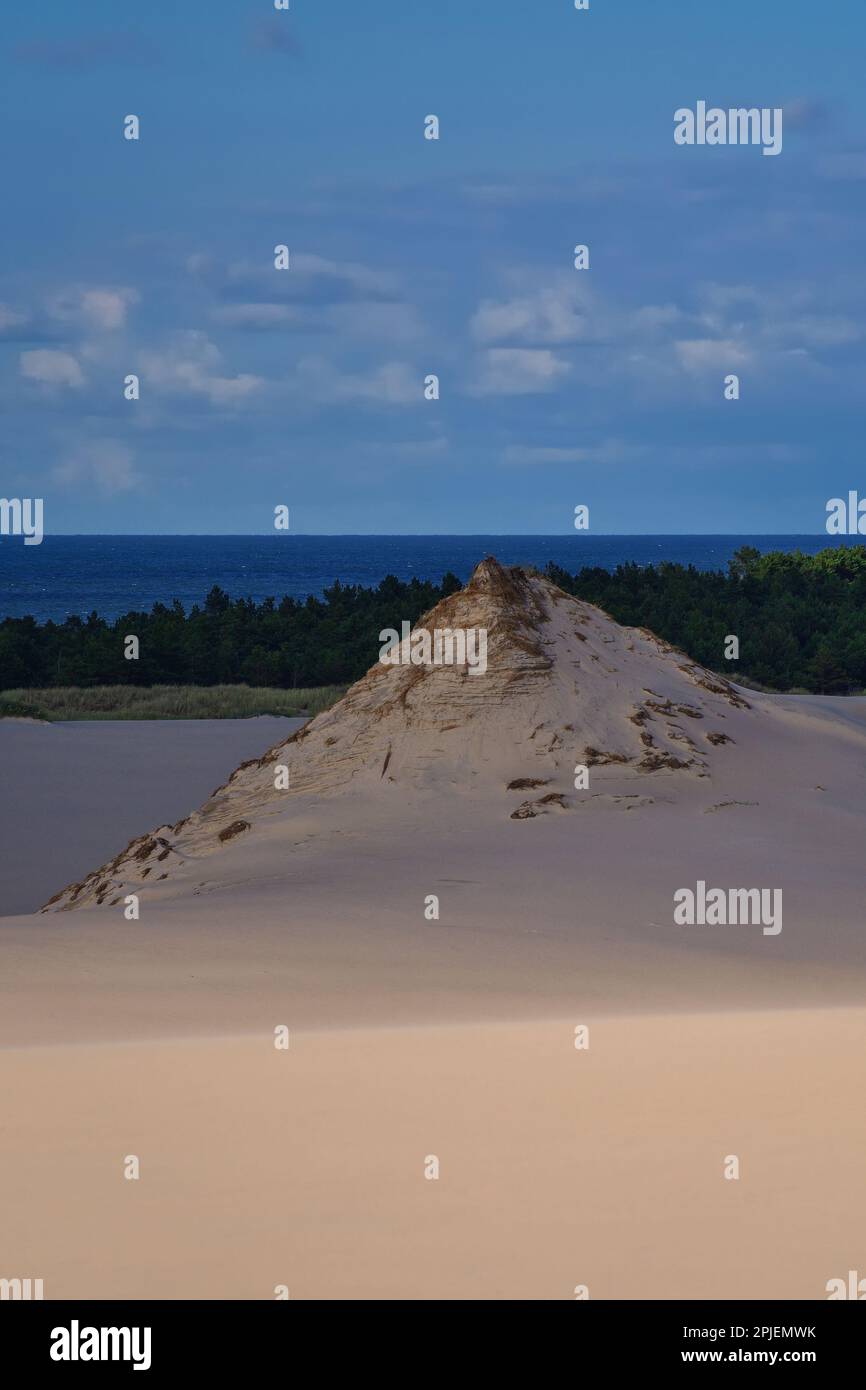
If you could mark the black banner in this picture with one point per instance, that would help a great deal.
(208, 1338)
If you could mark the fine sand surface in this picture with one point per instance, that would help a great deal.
(84, 785)
(452, 1035)
(557, 1167)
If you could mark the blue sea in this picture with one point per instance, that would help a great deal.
(114, 575)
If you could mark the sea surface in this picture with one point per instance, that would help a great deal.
(114, 575)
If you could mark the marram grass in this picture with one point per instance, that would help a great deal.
(164, 702)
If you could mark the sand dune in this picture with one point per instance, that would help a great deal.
(452, 1034)
(565, 686)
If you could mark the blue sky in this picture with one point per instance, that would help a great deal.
(411, 257)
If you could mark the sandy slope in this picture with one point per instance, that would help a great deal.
(454, 1036)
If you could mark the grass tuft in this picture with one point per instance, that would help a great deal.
(164, 702)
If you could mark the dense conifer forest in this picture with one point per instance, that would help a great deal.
(800, 620)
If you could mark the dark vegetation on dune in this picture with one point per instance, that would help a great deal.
(800, 619)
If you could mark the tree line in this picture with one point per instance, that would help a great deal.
(800, 620)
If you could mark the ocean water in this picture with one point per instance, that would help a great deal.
(114, 575)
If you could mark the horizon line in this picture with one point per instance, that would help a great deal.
(423, 535)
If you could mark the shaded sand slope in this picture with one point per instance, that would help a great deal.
(527, 927)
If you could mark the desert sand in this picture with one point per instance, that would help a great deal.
(414, 1036)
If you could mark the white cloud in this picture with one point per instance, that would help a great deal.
(255, 315)
(653, 318)
(551, 315)
(730, 326)
(361, 277)
(367, 319)
(521, 454)
(305, 268)
(819, 331)
(96, 308)
(777, 319)
(51, 368)
(106, 309)
(191, 366)
(393, 383)
(531, 455)
(706, 354)
(517, 372)
(104, 463)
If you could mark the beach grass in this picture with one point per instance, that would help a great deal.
(164, 702)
